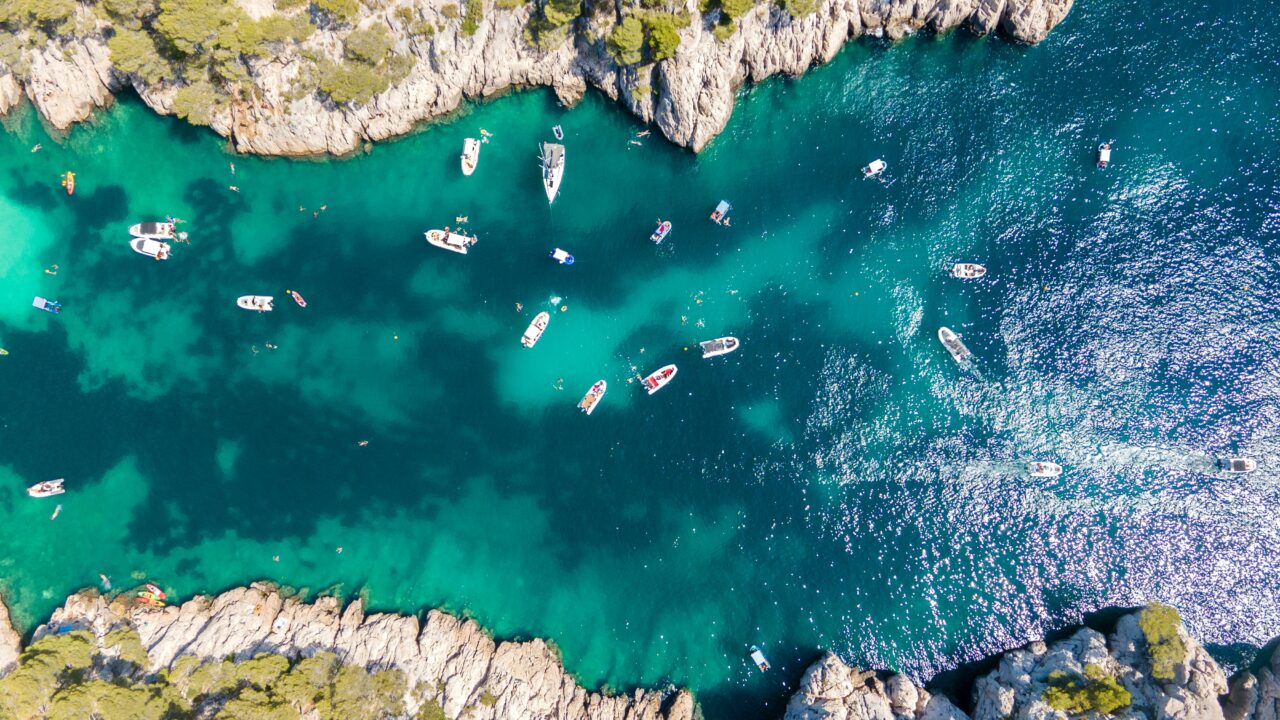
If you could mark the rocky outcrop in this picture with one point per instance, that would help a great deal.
(10, 642)
(446, 659)
(689, 97)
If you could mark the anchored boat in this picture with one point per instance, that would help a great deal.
(552, 169)
(153, 230)
(535, 329)
(48, 488)
(664, 228)
(558, 132)
(759, 659)
(470, 155)
(261, 303)
(874, 168)
(1044, 469)
(297, 298)
(561, 256)
(721, 213)
(719, 346)
(450, 240)
(1237, 465)
(967, 271)
(659, 378)
(1104, 155)
(150, 247)
(953, 345)
(69, 182)
(156, 591)
(52, 306)
(593, 396)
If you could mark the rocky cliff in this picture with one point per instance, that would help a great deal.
(266, 97)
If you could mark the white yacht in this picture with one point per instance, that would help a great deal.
(261, 303)
(1104, 155)
(1044, 469)
(719, 346)
(153, 230)
(953, 345)
(535, 329)
(552, 169)
(593, 396)
(470, 155)
(874, 168)
(150, 247)
(967, 271)
(450, 240)
(1237, 465)
(48, 488)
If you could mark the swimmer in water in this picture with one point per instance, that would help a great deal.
(233, 188)
(106, 582)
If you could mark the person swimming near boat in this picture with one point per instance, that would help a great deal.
(106, 582)
(233, 188)
(519, 307)
(272, 347)
(461, 219)
(53, 270)
(37, 147)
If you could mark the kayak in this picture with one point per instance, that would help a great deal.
(156, 591)
(69, 182)
(297, 298)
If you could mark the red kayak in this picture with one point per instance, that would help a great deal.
(156, 591)
(297, 298)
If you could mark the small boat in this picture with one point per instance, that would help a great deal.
(1237, 465)
(664, 227)
(552, 169)
(561, 256)
(659, 378)
(1104, 155)
(153, 230)
(52, 306)
(261, 303)
(759, 659)
(721, 213)
(592, 398)
(48, 488)
(558, 132)
(297, 298)
(57, 510)
(69, 182)
(150, 248)
(3, 352)
(953, 345)
(874, 168)
(967, 271)
(450, 240)
(1044, 469)
(719, 346)
(148, 598)
(535, 329)
(156, 591)
(470, 155)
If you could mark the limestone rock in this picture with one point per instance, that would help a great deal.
(10, 642)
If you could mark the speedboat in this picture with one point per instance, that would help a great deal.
(592, 398)
(1104, 155)
(719, 346)
(721, 213)
(1044, 469)
(561, 256)
(759, 659)
(659, 378)
(535, 329)
(470, 155)
(664, 228)
(953, 345)
(558, 132)
(967, 271)
(1237, 465)
(52, 306)
(48, 488)
(261, 303)
(552, 169)
(450, 240)
(297, 297)
(153, 230)
(150, 247)
(874, 168)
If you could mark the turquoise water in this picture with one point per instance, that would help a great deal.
(837, 483)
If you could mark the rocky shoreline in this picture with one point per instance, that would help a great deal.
(1137, 672)
(267, 100)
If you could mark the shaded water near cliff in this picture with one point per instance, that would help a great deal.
(837, 483)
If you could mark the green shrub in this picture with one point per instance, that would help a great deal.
(129, 9)
(450, 10)
(735, 9)
(724, 30)
(135, 52)
(369, 45)
(800, 8)
(510, 4)
(343, 10)
(430, 710)
(197, 102)
(1159, 625)
(664, 38)
(192, 25)
(561, 12)
(1096, 692)
(290, 4)
(471, 19)
(129, 646)
(625, 41)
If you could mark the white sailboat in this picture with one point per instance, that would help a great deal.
(470, 155)
(535, 329)
(552, 169)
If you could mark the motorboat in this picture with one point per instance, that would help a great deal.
(593, 396)
(1237, 465)
(719, 346)
(48, 488)
(450, 240)
(558, 132)
(759, 659)
(470, 155)
(952, 343)
(261, 303)
(561, 256)
(721, 213)
(153, 230)
(967, 271)
(874, 168)
(535, 329)
(52, 306)
(659, 378)
(297, 297)
(150, 247)
(1104, 155)
(1044, 469)
(552, 169)
(664, 228)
